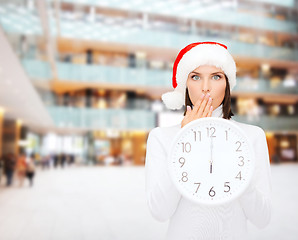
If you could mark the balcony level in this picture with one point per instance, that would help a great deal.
(97, 119)
(141, 77)
(128, 119)
(21, 20)
(271, 123)
(222, 13)
(135, 38)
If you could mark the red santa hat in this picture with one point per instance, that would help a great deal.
(191, 57)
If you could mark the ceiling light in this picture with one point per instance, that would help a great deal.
(157, 106)
(30, 5)
(21, 10)
(29, 32)
(104, 3)
(289, 81)
(109, 20)
(128, 24)
(265, 67)
(19, 122)
(91, 16)
(2, 110)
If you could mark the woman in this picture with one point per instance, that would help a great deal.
(203, 75)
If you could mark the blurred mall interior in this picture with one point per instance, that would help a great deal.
(84, 78)
(81, 80)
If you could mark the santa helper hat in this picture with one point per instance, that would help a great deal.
(191, 57)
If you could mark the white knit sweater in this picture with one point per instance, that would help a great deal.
(190, 221)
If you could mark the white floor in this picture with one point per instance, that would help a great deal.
(108, 203)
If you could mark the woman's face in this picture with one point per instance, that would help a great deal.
(207, 79)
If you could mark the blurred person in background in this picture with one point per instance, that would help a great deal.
(71, 159)
(119, 159)
(45, 161)
(36, 158)
(9, 162)
(63, 159)
(56, 160)
(1, 168)
(109, 159)
(30, 170)
(21, 168)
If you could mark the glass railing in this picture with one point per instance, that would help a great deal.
(177, 40)
(16, 18)
(127, 119)
(197, 10)
(113, 75)
(264, 86)
(37, 69)
(142, 77)
(271, 123)
(284, 3)
(87, 118)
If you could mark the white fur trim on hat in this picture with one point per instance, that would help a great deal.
(174, 99)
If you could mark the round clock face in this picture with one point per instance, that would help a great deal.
(211, 161)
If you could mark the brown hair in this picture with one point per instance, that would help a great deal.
(226, 102)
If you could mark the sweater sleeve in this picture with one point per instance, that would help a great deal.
(256, 201)
(162, 195)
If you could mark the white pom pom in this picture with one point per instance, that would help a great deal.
(173, 100)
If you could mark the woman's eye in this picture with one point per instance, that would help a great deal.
(216, 77)
(195, 77)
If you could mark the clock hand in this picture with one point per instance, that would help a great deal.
(211, 158)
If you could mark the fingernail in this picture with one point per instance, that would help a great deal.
(210, 99)
(211, 107)
(208, 94)
(188, 108)
(203, 95)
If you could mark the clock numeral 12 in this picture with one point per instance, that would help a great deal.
(210, 130)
